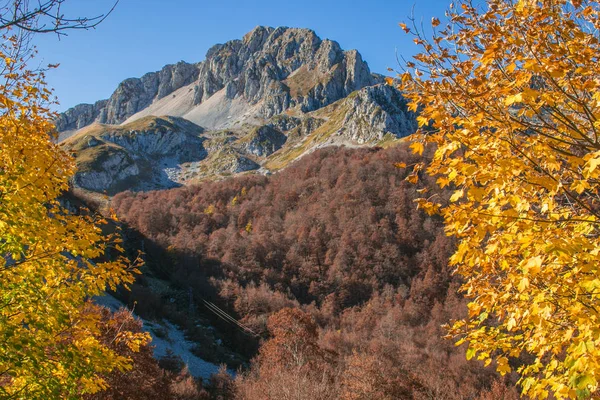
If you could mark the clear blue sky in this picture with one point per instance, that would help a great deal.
(143, 35)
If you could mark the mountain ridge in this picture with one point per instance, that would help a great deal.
(279, 52)
(259, 102)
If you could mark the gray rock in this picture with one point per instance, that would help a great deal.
(263, 141)
(284, 122)
(151, 150)
(158, 142)
(113, 171)
(308, 125)
(279, 67)
(219, 142)
(229, 161)
(80, 116)
(135, 94)
(92, 141)
(131, 96)
(267, 82)
(376, 111)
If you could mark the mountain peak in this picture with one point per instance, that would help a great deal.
(257, 33)
(256, 69)
(256, 102)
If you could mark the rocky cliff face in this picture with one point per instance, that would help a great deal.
(80, 116)
(131, 96)
(159, 137)
(279, 68)
(134, 94)
(112, 174)
(143, 155)
(263, 141)
(376, 111)
(257, 103)
(284, 67)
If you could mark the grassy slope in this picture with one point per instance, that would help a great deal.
(296, 146)
(89, 158)
(334, 115)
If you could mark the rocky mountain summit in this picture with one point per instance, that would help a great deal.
(255, 103)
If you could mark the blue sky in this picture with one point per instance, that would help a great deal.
(143, 35)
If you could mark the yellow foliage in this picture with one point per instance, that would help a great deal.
(509, 95)
(210, 210)
(51, 261)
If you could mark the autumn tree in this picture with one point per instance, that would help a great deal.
(367, 377)
(509, 94)
(294, 341)
(290, 364)
(146, 380)
(51, 261)
(378, 245)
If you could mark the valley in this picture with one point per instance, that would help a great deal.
(263, 184)
(273, 219)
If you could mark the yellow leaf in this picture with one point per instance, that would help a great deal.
(457, 195)
(523, 284)
(413, 178)
(417, 147)
(593, 164)
(422, 121)
(517, 98)
(511, 324)
(534, 264)
(517, 128)
(503, 366)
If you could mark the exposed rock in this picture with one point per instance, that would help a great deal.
(278, 68)
(217, 142)
(135, 94)
(284, 122)
(162, 137)
(303, 126)
(227, 161)
(92, 141)
(264, 100)
(109, 173)
(263, 141)
(308, 125)
(282, 67)
(142, 155)
(80, 116)
(241, 164)
(131, 96)
(375, 111)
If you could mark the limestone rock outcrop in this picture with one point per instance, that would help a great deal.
(257, 103)
(279, 68)
(375, 111)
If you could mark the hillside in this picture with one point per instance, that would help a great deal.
(254, 104)
(335, 237)
(328, 256)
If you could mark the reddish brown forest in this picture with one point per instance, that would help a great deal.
(330, 262)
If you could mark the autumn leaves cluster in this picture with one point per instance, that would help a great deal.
(508, 95)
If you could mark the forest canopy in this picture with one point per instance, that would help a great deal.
(334, 245)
